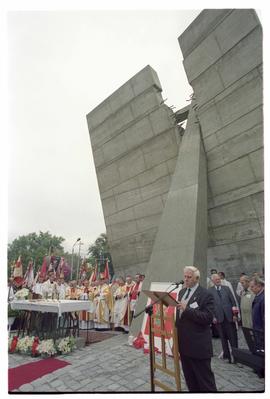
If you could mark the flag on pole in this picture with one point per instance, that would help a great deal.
(93, 275)
(106, 270)
(37, 276)
(28, 279)
(18, 272)
(43, 270)
(83, 269)
(60, 269)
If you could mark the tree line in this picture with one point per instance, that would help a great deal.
(33, 247)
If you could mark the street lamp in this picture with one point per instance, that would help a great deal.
(78, 239)
(80, 244)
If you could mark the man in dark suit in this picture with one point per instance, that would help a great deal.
(193, 318)
(224, 317)
(257, 287)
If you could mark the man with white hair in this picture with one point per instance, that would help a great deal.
(193, 318)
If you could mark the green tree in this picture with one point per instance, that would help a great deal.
(99, 252)
(35, 247)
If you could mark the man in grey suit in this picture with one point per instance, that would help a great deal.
(224, 318)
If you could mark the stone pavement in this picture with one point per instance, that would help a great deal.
(114, 366)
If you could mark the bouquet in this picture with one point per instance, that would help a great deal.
(66, 345)
(46, 347)
(22, 294)
(24, 344)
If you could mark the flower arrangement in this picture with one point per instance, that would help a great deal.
(66, 345)
(47, 347)
(34, 347)
(22, 294)
(24, 344)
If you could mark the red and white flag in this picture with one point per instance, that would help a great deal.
(43, 270)
(106, 270)
(93, 276)
(60, 269)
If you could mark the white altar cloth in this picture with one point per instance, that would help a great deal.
(51, 305)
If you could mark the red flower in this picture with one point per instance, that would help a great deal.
(34, 346)
(13, 344)
(139, 341)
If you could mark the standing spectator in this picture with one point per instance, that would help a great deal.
(61, 287)
(84, 295)
(239, 288)
(209, 281)
(134, 294)
(72, 291)
(103, 301)
(120, 306)
(257, 287)
(92, 288)
(49, 287)
(193, 317)
(11, 293)
(37, 286)
(129, 285)
(246, 302)
(227, 284)
(223, 315)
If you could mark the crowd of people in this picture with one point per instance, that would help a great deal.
(216, 305)
(111, 305)
(244, 306)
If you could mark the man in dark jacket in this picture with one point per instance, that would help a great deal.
(193, 318)
(257, 287)
(224, 317)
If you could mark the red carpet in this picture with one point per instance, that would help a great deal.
(26, 373)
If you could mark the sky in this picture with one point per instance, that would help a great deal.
(62, 64)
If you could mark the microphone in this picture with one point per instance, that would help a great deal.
(181, 282)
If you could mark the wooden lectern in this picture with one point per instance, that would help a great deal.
(163, 299)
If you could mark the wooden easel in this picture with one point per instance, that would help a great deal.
(163, 300)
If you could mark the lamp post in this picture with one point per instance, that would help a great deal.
(80, 244)
(78, 239)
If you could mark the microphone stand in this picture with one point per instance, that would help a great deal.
(149, 310)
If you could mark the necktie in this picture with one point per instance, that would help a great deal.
(187, 293)
(218, 291)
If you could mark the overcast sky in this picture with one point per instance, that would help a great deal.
(62, 64)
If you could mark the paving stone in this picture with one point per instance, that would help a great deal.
(116, 377)
(132, 374)
(113, 387)
(27, 388)
(56, 383)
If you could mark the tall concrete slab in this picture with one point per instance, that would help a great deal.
(148, 191)
(222, 52)
(135, 141)
(182, 233)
